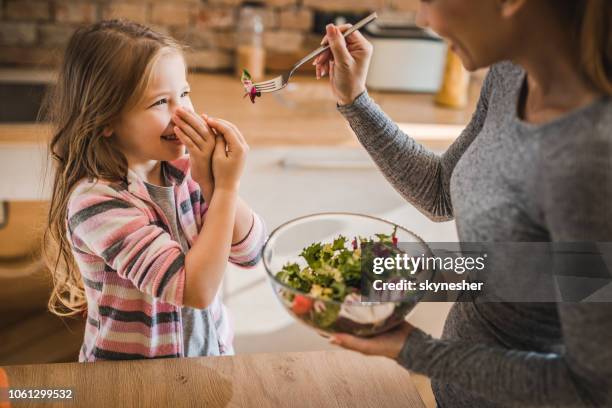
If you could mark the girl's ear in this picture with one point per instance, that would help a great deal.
(107, 132)
(509, 8)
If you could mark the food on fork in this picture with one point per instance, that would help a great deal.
(250, 89)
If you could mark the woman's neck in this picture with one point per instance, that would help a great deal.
(555, 84)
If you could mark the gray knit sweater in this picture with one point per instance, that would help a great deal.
(504, 180)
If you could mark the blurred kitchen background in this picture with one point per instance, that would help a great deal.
(304, 157)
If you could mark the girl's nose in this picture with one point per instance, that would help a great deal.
(186, 105)
(178, 109)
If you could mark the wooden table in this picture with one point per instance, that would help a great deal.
(305, 379)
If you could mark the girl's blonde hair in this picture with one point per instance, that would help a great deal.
(106, 69)
(590, 22)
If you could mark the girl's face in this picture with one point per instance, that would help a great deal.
(478, 31)
(145, 133)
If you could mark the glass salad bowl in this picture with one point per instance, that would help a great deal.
(314, 266)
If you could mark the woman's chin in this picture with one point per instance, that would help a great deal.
(466, 61)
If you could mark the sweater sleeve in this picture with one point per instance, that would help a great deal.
(419, 175)
(247, 252)
(579, 376)
(101, 222)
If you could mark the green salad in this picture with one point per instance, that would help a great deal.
(333, 270)
(329, 285)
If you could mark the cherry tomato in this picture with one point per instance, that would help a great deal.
(301, 304)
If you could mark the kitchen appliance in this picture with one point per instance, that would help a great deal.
(406, 57)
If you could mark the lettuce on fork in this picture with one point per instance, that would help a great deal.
(250, 89)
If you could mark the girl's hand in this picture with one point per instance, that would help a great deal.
(388, 344)
(192, 130)
(347, 62)
(230, 154)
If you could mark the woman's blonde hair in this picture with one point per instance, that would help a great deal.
(106, 69)
(590, 22)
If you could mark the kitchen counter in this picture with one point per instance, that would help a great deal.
(304, 113)
(307, 379)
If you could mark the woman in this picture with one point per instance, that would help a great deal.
(532, 165)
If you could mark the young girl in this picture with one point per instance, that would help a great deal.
(143, 233)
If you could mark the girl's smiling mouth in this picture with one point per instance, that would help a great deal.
(171, 137)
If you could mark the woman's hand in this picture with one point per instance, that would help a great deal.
(193, 132)
(388, 344)
(229, 156)
(347, 62)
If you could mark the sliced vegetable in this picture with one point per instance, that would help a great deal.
(250, 89)
(301, 304)
(327, 316)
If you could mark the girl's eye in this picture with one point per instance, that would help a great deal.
(165, 100)
(161, 101)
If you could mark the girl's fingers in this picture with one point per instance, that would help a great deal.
(229, 136)
(198, 123)
(190, 132)
(220, 127)
(186, 140)
(194, 121)
(220, 146)
(211, 132)
(238, 132)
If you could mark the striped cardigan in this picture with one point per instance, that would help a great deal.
(133, 269)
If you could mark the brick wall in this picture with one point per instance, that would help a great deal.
(34, 32)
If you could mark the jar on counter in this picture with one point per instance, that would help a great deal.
(454, 90)
(250, 52)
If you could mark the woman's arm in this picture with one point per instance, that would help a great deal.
(577, 377)
(419, 175)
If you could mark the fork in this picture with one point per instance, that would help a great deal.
(281, 81)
